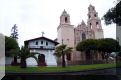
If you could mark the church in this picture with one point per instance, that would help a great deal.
(45, 47)
(71, 35)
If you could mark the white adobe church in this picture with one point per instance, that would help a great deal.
(72, 35)
(45, 47)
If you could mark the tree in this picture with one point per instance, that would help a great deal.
(24, 54)
(107, 46)
(11, 48)
(89, 47)
(14, 32)
(104, 46)
(62, 50)
(113, 15)
(14, 35)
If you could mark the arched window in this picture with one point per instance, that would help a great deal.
(97, 24)
(90, 25)
(95, 15)
(41, 42)
(83, 36)
(66, 20)
(36, 43)
(93, 8)
(46, 43)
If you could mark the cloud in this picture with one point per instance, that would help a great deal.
(34, 16)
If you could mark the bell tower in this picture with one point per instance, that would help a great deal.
(65, 30)
(64, 18)
(94, 22)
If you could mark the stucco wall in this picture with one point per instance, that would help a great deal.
(50, 59)
(66, 32)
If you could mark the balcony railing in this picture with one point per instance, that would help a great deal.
(42, 47)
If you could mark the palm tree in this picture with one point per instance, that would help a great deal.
(62, 50)
(24, 54)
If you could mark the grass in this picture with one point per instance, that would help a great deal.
(58, 69)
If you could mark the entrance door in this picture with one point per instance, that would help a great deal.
(41, 60)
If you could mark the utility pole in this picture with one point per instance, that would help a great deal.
(63, 57)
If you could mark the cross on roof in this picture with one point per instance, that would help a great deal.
(43, 34)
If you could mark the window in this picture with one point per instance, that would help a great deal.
(97, 24)
(68, 56)
(93, 8)
(66, 20)
(90, 25)
(83, 36)
(36, 43)
(41, 42)
(95, 15)
(46, 43)
(89, 16)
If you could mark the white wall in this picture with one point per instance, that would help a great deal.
(66, 32)
(50, 59)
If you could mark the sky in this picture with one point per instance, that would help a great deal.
(35, 16)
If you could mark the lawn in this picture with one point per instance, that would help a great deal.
(58, 69)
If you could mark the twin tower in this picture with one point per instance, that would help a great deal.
(71, 35)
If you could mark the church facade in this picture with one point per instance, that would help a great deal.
(71, 35)
(45, 48)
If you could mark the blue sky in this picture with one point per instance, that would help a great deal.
(34, 16)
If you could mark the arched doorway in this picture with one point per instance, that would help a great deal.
(83, 36)
(41, 60)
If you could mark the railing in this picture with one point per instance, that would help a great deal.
(42, 47)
